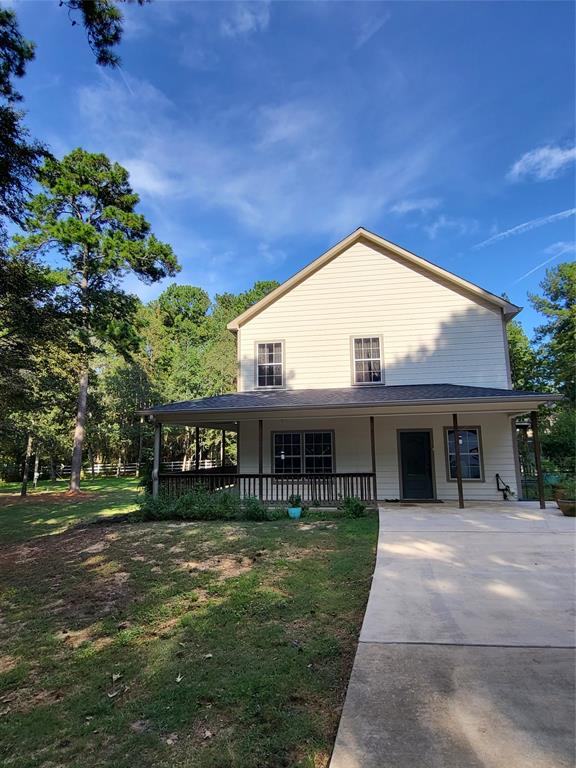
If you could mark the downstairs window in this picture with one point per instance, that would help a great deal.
(470, 453)
(310, 453)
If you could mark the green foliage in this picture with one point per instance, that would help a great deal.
(559, 439)
(102, 20)
(352, 506)
(294, 500)
(20, 158)
(557, 335)
(567, 488)
(523, 359)
(254, 509)
(86, 214)
(31, 325)
(200, 504)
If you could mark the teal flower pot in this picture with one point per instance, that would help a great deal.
(294, 512)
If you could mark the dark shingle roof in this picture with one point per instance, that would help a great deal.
(344, 397)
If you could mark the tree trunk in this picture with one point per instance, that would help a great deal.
(36, 465)
(140, 443)
(24, 488)
(79, 433)
(52, 468)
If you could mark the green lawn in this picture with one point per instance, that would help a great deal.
(175, 644)
(47, 509)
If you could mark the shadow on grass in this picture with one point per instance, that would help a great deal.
(49, 510)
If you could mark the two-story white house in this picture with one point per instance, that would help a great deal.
(371, 372)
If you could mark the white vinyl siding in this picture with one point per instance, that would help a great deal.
(432, 333)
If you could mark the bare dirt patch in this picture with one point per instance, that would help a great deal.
(224, 567)
(79, 582)
(49, 497)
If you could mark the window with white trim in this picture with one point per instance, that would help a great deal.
(270, 364)
(310, 453)
(367, 360)
(470, 453)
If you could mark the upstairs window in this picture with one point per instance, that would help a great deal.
(470, 453)
(367, 360)
(311, 453)
(269, 365)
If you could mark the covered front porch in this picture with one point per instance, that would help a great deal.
(391, 444)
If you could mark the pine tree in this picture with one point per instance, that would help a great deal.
(86, 214)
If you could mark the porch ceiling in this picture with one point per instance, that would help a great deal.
(351, 401)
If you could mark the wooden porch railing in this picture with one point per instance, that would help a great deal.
(323, 489)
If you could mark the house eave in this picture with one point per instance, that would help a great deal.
(510, 405)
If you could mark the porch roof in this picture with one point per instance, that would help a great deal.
(377, 396)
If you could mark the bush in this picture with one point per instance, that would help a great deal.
(567, 488)
(254, 509)
(352, 506)
(200, 504)
(294, 500)
(155, 509)
(197, 504)
(227, 504)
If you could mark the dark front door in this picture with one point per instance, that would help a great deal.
(416, 465)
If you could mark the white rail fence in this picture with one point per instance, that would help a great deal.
(104, 470)
(130, 470)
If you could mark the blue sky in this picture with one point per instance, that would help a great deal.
(259, 134)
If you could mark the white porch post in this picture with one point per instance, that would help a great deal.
(156, 464)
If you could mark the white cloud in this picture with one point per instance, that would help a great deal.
(445, 223)
(526, 227)
(561, 248)
(542, 164)
(556, 250)
(421, 205)
(288, 122)
(246, 18)
(197, 57)
(270, 254)
(263, 166)
(370, 28)
(147, 178)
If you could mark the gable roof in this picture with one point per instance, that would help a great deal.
(508, 309)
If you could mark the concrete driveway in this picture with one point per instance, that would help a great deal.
(466, 653)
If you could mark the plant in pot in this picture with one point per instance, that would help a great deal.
(566, 497)
(294, 506)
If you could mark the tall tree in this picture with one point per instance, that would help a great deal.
(557, 335)
(20, 157)
(86, 214)
(523, 359)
